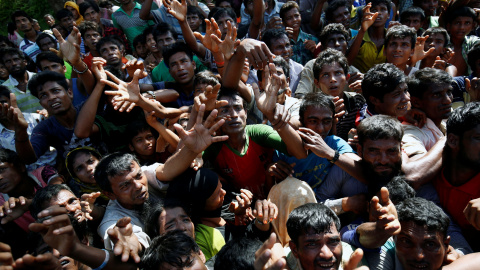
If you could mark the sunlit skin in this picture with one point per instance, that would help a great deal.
(182, 68)
(91, 39)
(235, 116)
(281, 47)
(175, 219)
(143, 144)
(52, 66)
(395, 103)
(436, 41)
(332, 80)
(383, 15)
(55, 99)
(398, 51)
(215, 200)
(68, 200)
(382, 155)
(319, 120)
(110, 52)
(84, 167)
(130, 189)
(293, 19)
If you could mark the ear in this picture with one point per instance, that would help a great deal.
(64, 69)
(293, 248)
(375, 101)
(359, 150)
(130, 147)
(416, 102)
(446, 241)
(110, 195)
(70, 93)
(315, 81)
(453, 140)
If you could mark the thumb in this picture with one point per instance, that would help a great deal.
(467, 84)
(256, 91)
(136, 76)
(384, 194)
(430, 51)
(354, 259)
(123, 222)
(198, 36)
(13, 100)
(180, 131)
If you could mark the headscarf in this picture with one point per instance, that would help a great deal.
(194, 188)
(288, 195)
(75, 6)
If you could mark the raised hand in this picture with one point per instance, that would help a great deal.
(439, 63)
(265, 211)
(266, 101)
(275, 22)
(46, 261)
(228, 45)
(201, 136)
(310, 45)
(14, 208)
(473, 88)
(87, 202)
(315, 143)
(383, 212)
(257, 53)
(368, 17)
(13, 115)
(132, 65)
(70, 48)
(211, 30)
(289, 31)
(419, 53)
(6, 257)
(176, 9)
(97, 68)
(472, 213)
(281, 170)
(244, 200)
(125, 91)
(354, 260)
(125, 241)
(416, 117)
(209, 98)
(267, 253)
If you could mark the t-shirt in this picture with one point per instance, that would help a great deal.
(210, 240)
(247, 169)
(314, 169)
(161, 72)
(131, 24)
(417, 141)
(368, 55)
(25, 100)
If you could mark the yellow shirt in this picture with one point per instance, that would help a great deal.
(368, 55)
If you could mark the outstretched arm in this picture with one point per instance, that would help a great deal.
(367, 20)
(145, 11)
(257, 19)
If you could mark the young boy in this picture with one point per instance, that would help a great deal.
(461, 21)
(413, 17)
(399, 44)
(331, 76)
(438, 38)
(429, 7)
(139, 49)
(195, 19)
(367, 48)
(91, 33)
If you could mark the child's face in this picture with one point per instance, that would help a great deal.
(436, 41)
(332, 80)
(292, 18)
(141, 50)
(460, 27)
(429, 6)
(342, 15)
(200, 88)
(151, 44)
(398, 50)
(383, 15)
(414, 21)
(193, 21)
(143, 144)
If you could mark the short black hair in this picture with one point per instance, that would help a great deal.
(401, 31)
(238, 254)
(173, 248)
(110, 39)
(273, 34)
(5, 92)
(426, 78)
(461, 12)
(464, 119)
(86, 5)
(111, 166)
(177, 47)
(37, 81)
(318, 100)
(334, 6)
(43, 197)
(191, 10)
(11, 52)
(63, 13)
(472, 56)
(311, 216)
(289, 5)
(412, 11)
(9, 156)
(163, 28)
(333, 28)
(387, 3)
(206, 77)
(20, 13)
(438, 30)
(49, 56)
(138, 39)
(424, 213)
(327, 58)
(219, 12)
(44, 35)
(232, 93)
(379, 127)
(399, 190)
(88, 26)
(151, 221)
(380, 80)
(135, 128)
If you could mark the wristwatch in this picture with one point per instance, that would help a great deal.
(152, 93)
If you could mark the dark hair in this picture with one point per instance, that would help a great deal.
(110, 39)
(111, 166)
(43, 197)
(151, 221)
(173, 248)
(104, 3)
(218, 2)
(11, 52)
(86, 5)
(63, 13)
(44, 35)
(278, 62)
(191, 10)
(135, 128)
(222, 12)
(401, 31)
(317, 100)
(464, 119)
(5, 92)
(438, 30)
(461, 12)
(426, 78)
(333, 28)
(7, 41)
(9, 156)
(206, 77)
(424, 213)
(273, 34)
(138, 39)
(72, 155)
(146, 32)
(20, 13)
(379, 127)
(88, 26)
(11, 27)
(36, 82)
(334, 6)
(162, 29)
(49, 56)
(237, 254)
(311, 216)
(381, 79)
(329, 57)
(399, 190)
(472, 56)
(177, 47)
(410, 12)
(387, 3)
(287, 7)
(232, 93)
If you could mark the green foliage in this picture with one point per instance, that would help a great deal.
(35, 8)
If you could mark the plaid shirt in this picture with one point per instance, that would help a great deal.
(300, 54)
(112, 31)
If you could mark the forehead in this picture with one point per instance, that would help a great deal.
(318, 112)
(413, 17)
(310, 233)
(280, 40)
(420, 232)
(178, 56)
(335, 36)
(63, 195)
(225, 17)
(45, 63)
(82, 157)
(45, 40)
(166, 35)
(400, 40)
(21, 18)
(90, 10)
(91, 32)
(143, 133)
(331, 67)
(462, 19)
(172, 213)
(381, 143)
(125, 175)
(109, 45)
(235, 100)
(437, 36)
(291, 11)
(50, 85)
(379, 6)
(341, 9)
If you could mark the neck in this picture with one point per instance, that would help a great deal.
(237, 141)
(129, 6)
(25, 188)
(213, 222)
(458, 173)
(22, 78)
(376, 32)
(31, 35)
(68, 118)
(456, 41)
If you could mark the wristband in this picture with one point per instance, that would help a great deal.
(80, 72)
(221, 64)
(107, 257)
(335, 157)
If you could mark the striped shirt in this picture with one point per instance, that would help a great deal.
(131, 24)
(30, 48)
(25, 100)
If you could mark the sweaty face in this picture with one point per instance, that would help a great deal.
(215, 200)
(52, 66)
(436, 41)
(398, 51)
(395, 103)
(235, 115)
(10, 177)
(111, 53)
(383, 14)
(46, 43)
(318, 250)
(130, 189)
(332, 80)
(419, 248)
(282, 47)
(382, 158)
(436, 102)
(338, 42)
(292, 18)
(15, 65)
(68, 200)
(55, 99)
(182, 68)
(319, 120)
(460, 27)
(143, 144)
(342, 15)
(175, 219)
(84, 166)
(413, 21)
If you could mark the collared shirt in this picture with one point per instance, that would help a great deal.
(368, 55)
(131, 24)
(246, 19)
(301, 54)
(30, 48)
(25, 100)
(468, 43)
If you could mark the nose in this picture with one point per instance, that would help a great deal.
(406, 96)
(419, 255)
(333, 78)
(448, 98)
(138, 184)
(326, 253)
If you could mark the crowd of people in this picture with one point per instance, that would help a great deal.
(254, 134)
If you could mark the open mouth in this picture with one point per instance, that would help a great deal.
(403, 107)
(142, 195)
(55, 105)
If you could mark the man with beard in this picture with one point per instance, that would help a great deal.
(14, 60)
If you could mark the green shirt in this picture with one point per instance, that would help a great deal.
(161, 72)
(131, 24)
